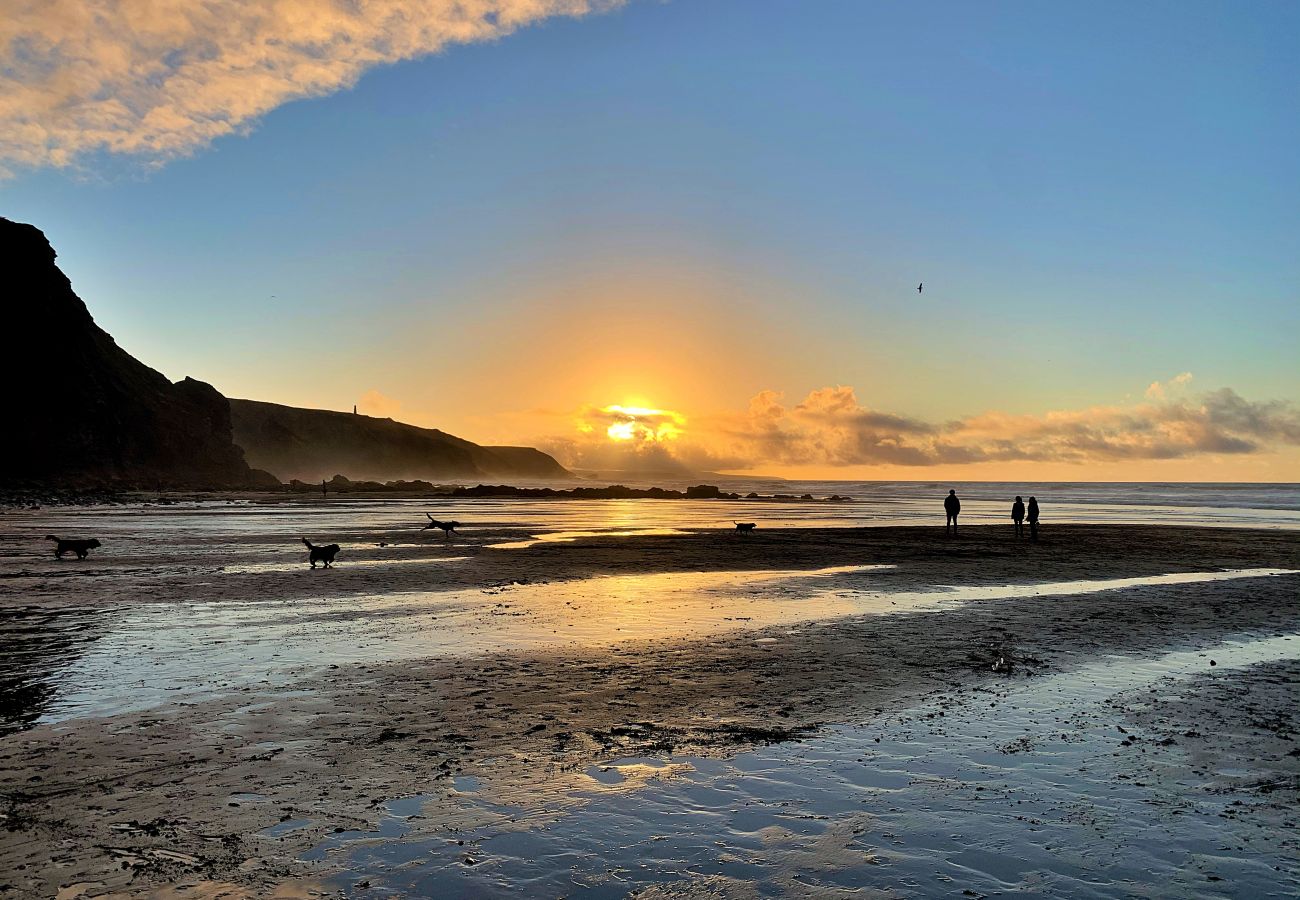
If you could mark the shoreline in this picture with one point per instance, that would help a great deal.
(205, 778)
(732, 488)
(272, 563)
(399, 490)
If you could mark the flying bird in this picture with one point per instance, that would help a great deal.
(919, 286)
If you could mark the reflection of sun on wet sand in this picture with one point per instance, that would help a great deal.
(488, 689)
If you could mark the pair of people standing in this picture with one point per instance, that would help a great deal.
(1018, 514)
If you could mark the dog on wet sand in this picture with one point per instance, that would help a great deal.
(81, 548)
(448, 528)
(744, 527)
(324, 554)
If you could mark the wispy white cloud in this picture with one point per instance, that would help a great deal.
(1158, 390)
(161, 78)
(373, 403)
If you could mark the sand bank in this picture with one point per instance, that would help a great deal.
(186, 791)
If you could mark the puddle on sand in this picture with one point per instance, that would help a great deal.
(343, 561)
(159, 653)
(565, 537)
(1024, 794)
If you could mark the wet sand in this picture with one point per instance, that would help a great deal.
(184, 792)
(1075, 784)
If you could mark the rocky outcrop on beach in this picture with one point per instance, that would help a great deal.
(83, 412)
(315, 444)
(612, 492)
(623, 492)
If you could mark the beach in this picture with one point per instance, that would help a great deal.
(195, 712)
(595, 449)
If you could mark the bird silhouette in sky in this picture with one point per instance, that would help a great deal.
(919, 286)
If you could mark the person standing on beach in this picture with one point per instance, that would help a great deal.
(1033, 518)
(951, 506)
(1018, 516)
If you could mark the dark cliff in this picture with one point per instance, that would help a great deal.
(84, 411)
(311, 444)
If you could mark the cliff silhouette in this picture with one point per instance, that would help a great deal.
(312, 444)
(85, 413)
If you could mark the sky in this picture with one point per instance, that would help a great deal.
(504, 218)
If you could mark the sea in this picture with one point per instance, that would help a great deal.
(869, 503)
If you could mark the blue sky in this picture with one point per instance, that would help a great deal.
(1097, 196)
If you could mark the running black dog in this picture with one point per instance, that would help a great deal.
(448, 528)
(324, 554)
(744, 527)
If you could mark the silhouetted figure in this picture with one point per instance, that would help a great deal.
(1033, 518)
(1018, 516)
(324, 492)
(951, 506)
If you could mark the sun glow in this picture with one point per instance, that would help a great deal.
(641, 423)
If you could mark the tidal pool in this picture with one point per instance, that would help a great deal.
(97, 661)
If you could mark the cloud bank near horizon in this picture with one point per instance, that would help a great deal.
(830, 427)
(160, 79)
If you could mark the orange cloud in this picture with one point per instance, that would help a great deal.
(161, 78)
(832, 428)
(831, 431)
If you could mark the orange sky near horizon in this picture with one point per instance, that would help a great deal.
(530, 364)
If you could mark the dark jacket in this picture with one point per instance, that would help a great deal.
(1033, 510)
(952, 504)
(1018, 511)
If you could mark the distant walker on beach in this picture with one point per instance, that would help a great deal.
(951, 506)
(1018, 516)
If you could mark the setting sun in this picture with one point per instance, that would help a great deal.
(642, 423)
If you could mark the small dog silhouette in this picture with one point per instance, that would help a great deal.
(744, 527)
(324, 554)
(81, 548)
(448, 528)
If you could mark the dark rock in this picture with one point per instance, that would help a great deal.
(93, 414)
(613, 492)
